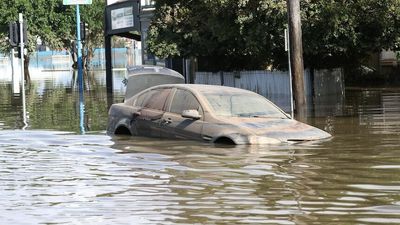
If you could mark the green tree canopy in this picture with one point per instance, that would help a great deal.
(249, 34)
(337, 33)
(231, 34)
(52, 22)
(48, 20)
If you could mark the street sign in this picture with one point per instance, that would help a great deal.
(77, 2)
(122, 17)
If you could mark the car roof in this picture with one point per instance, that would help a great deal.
(206, 88)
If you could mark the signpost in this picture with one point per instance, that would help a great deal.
(122, 19)
(22, 40)
(79, 50)
(17, 38)
(78, 35)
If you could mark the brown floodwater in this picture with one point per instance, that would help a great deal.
(59, 167)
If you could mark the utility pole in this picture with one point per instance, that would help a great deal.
(296, 56)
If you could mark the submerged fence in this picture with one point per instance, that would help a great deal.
(62, 60)
(51, 60)
(324, 88)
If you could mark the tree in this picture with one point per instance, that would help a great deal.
(52, 22)
(248, 34)
(46, 19)
(92, 15)
(230, 34)
(344, 33)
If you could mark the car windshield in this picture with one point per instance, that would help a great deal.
(242, 105)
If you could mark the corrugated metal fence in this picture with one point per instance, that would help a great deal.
(275, 84)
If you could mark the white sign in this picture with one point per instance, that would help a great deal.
(110, 2)
(122, 18)
(77, 2)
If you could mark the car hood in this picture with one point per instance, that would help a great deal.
(281, 129)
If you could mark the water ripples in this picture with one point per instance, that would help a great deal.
(60, 177)
(55, 177)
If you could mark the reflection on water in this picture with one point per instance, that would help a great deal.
(53, 101)
(50, 174)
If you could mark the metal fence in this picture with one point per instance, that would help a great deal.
(322, 87)
(62, 60)
(51, 60)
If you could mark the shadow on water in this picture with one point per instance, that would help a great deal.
(52, 174)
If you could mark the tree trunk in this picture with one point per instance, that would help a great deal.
(73, 55)
(26, 68)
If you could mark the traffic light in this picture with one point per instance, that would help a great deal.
(13, 37)
(83, 30)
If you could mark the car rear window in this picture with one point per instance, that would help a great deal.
(153, 99)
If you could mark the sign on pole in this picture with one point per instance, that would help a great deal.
(122, 17)
(77, 2)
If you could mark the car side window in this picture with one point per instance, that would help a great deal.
(184, 100)
(140, 99)
(154, 99)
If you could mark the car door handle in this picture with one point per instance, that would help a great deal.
(167, 121)
(136, 114)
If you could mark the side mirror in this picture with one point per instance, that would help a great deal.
(191, 114)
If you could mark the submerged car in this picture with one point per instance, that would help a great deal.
(210, 113)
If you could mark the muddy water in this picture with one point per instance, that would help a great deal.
(53, 173)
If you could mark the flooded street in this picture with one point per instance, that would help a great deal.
(61, 168)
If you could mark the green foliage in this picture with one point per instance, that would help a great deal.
(231, 34)
(346, 32)
(48, 20)
(52, 22)
(93, 16)
(248, 34)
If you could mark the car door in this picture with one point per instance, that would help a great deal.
(147, 119)
(173, 125)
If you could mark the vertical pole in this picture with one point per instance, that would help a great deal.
(184, 71)
(296, 56)
(287, 48)
(108, 58)
(109, 75)
(21, 35)
(79, 48)
(15, 78)
(81, 112)
(80, 72)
